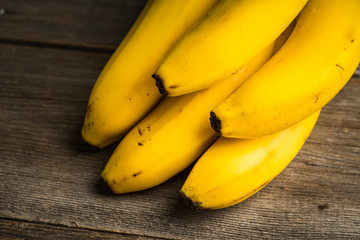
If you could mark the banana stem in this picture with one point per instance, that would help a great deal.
(160, 84)
(215, 123)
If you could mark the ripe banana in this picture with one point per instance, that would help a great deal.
(308, 71)
(124, 91)
(232, 170)
(232, 33)
(171, 136)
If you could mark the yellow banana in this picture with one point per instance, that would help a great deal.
(124, 91)
(232, 170)
(171, 136)
(233, 33)
(308, 71)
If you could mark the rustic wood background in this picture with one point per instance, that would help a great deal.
(50, 55)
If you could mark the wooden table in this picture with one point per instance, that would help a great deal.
(51, 53)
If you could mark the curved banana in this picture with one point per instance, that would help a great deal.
(308, 71)
(124, 91)
(232, 170)
(171, 136)
(233, 33)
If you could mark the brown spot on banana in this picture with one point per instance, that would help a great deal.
(89, 111)
(338, 65)
(316, 99)
(174, 86)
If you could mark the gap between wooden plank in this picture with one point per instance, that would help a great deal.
(50, 45)
(74, 230)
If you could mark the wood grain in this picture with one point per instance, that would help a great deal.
(98, 24)
(20, 230)
(51, 53)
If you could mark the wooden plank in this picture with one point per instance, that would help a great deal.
(99, 24)
(13, 229)
(49, 175)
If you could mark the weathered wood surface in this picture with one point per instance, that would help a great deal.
(97, 24)
(13, 229)
(49, 178)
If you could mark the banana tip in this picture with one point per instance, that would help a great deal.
(160, 84)
(103, 187)
(190, 202)
(215, 123)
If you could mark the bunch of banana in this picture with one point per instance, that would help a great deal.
(233, 169)
(260, 69)
(175, 133)
(233, 33)
(171, 136)
(308, 71)
(124, 91)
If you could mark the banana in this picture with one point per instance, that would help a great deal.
(308, 71)
(171, 136)
(124, 91)
(232, 33)
(232, 170)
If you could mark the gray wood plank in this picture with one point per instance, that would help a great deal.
(49, 175)
(20, 230)
(99, 24)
